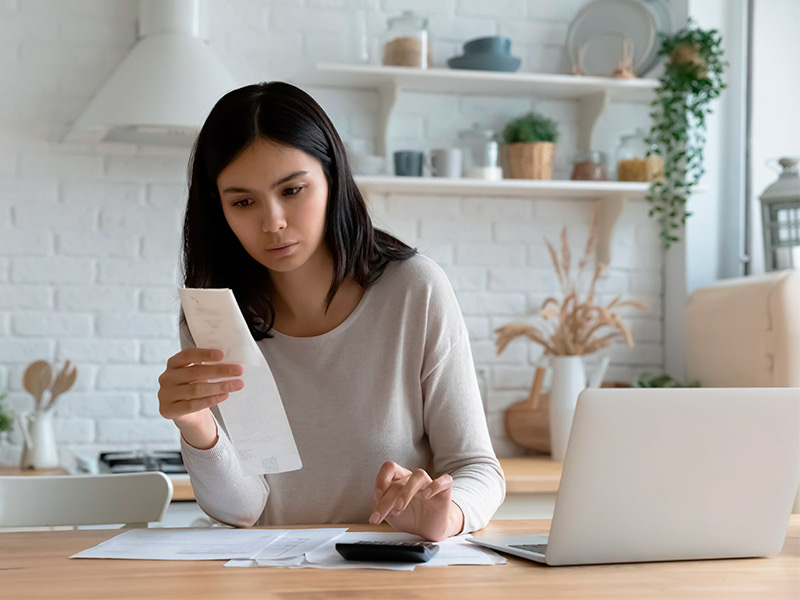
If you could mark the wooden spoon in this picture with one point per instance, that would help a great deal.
(36, 380)
(63, 382)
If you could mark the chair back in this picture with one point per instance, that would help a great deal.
(134, 499)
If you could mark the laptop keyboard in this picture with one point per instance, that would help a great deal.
(538, 548)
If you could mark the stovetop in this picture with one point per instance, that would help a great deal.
(141, 460)
(132, 461)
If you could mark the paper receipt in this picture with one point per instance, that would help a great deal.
(254, 416)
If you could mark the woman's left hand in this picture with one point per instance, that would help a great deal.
(411, 501)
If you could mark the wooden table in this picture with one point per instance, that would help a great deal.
(35, 565)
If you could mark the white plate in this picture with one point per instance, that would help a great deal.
(602, 25)
(664, 20)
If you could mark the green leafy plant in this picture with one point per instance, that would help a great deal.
(691, 80)
(530, 128)
(646, 380)
(6, 417)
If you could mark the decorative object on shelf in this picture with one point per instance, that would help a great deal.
(408, 163)
(570, 330)
(492, 53)
(635, 162)
(589, 165)
(361, 161)
(647, 380)
(624, 68)
(480, 153)
(407, 41)
(692, 79)
(531, 146)
(446, 162)
(780, 218)
(6, 418)
(593, 39)
(39, 443)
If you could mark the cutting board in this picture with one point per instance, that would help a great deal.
(528, 421)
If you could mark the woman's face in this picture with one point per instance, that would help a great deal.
(274, 198)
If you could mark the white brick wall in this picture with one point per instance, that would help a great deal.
(89, 235)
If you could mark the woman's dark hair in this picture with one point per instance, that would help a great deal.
(213, 257)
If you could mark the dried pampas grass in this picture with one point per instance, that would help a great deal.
(574, 327)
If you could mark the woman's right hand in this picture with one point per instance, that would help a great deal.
(185, 393)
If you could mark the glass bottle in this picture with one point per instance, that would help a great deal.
(407, 43)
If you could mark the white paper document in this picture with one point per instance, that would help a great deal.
(253, 416)
(284, 546)
(452, 551)
(214, 543)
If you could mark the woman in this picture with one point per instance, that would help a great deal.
(363, 335)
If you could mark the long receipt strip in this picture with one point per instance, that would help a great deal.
(254, 416)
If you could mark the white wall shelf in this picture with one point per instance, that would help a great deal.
(528, 188)
(592, 93)
(462, 81)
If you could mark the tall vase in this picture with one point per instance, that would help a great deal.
(569, 380)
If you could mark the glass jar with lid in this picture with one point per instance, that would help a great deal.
(633, 162)
(481, 153)
(630, 157)
(406, 41)
(589, 165)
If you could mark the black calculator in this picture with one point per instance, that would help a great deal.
(416, 552)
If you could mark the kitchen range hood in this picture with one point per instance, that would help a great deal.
(166, 86)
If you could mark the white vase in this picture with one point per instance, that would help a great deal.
(569, 380)
(39, 440)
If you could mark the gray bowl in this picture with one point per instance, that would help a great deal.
(490, 44)
(485, 61)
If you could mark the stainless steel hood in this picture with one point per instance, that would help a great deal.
(166, 86)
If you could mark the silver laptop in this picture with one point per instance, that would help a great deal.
(672, 474)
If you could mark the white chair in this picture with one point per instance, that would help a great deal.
(135, 499)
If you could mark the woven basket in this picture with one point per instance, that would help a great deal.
(530, 161)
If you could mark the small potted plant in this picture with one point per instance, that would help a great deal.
(530, 146)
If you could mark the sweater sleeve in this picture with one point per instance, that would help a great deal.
(222, 489)
(453, 412)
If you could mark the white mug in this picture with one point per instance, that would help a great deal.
(446, 162)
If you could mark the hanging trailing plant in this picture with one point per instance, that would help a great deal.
(691, 80)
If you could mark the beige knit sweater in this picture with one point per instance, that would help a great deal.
(395, 381)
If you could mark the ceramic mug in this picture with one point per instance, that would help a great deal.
(446, 162)
(408, 163)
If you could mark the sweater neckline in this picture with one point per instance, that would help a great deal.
(336, 330)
